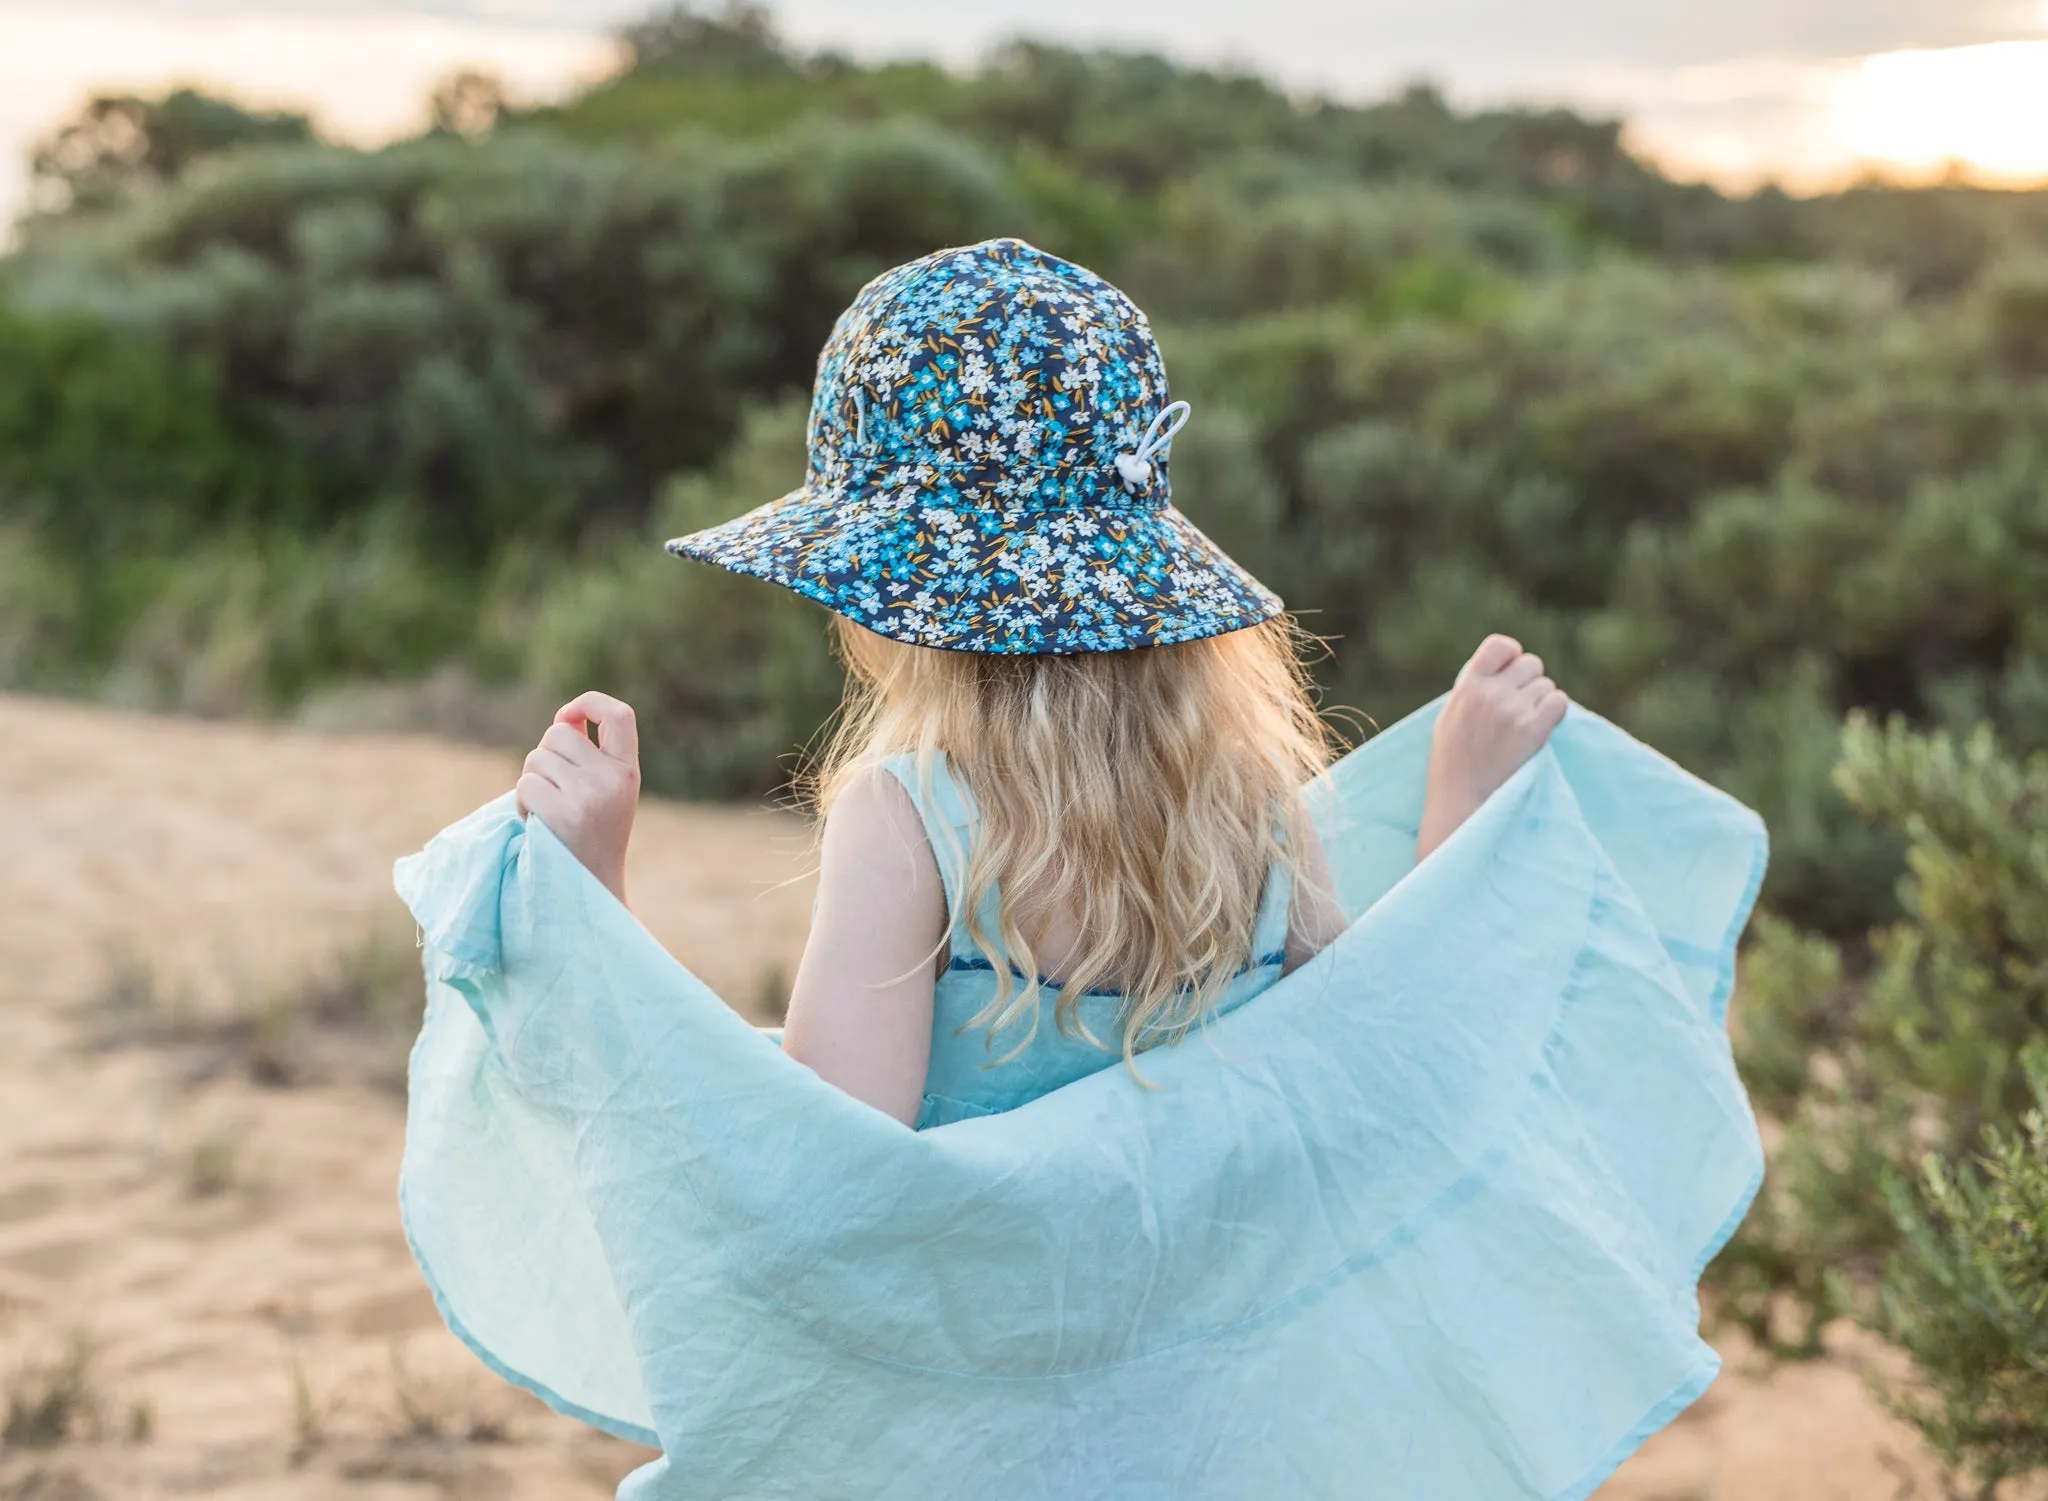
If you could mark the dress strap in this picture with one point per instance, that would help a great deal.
(948, 813)
(1269, 935)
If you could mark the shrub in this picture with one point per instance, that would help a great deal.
(1966, 1295)
(517, 337)
(728, 676)
(304, 417)
(1878, 1067)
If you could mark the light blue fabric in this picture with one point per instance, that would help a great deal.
(1424, 1219)
(964, 1078)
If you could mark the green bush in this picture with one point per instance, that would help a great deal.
(121, 146)
(728, 676)
(251, 622)
(1665, 482)
(523, 337)
(109, 445)
(1966, 1296)
(311, 417)
(1873, 1069)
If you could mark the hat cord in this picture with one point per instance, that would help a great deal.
(1136, 467)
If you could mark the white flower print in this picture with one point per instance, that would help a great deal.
(972, 516)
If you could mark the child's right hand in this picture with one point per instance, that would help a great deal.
(1500, 712)
(587, 792)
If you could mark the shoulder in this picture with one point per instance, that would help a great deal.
(873, 834)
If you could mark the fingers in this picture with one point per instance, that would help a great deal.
(549, 766)
(618, 735)
(536, 794)
(566, 775)
(570, 743)
(1523, 670)
(1551, 708)
(1494, 653)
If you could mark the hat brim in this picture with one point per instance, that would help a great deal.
(1030, 582)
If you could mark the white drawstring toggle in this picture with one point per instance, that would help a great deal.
(1136, 468)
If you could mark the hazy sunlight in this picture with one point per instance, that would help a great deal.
(1984, 107)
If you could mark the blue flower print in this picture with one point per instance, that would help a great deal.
(963, 489)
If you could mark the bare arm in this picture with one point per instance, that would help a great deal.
(860, 1014)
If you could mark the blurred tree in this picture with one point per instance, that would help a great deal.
(468, 104)
(520, 336)
(1733, 465)
(121, 144)
(728, 676)
(685, 41)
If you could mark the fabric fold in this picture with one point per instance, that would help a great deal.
(1430, 1210)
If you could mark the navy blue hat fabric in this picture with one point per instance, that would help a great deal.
(964, 489)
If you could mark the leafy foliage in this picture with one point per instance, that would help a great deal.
(1898, 1076)
(678, 42)
(121, 145)
(727, 677)
(1967, 1295)
(518, 336)
(1733, 465)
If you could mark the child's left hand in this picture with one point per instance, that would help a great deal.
(1500, 711)
(587, 792)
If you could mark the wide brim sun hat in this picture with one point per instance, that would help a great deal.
(988, 471)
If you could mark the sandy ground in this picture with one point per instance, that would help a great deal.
(230, 1252)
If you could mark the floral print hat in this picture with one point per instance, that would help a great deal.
(988, 471)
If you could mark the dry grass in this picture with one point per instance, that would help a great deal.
(58, 1400)
(39, 1483)
(352, 1019)
(218, 1165)
(443, 1409)
(53, 1402)
(310, 1414)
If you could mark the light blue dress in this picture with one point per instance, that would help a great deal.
(964, 1078)
(1422, 1220)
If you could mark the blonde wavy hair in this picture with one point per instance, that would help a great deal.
(1145, 792)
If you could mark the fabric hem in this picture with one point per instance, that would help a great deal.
(617, 1428)
(1694, 1386)
(1655, 1421)
(1724, 979)
(1689, 1391)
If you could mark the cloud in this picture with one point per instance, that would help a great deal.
(1286, 36)
(365, 74)
(1738, 88)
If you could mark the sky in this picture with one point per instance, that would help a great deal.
(1807, 92)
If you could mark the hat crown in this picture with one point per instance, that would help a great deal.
(988, 454)
(993, 377)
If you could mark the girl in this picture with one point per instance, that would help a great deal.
(1424, 1124)
(1119, 702)
(1186, 859)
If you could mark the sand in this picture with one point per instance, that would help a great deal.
(229, 1251)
